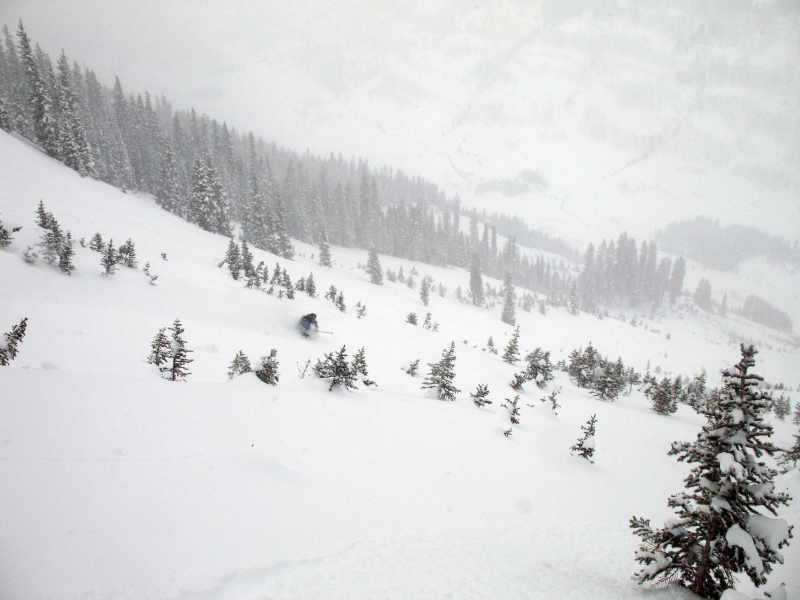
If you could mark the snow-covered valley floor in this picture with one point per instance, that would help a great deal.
(115, 483)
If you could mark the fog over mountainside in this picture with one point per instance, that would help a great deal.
(586, 119)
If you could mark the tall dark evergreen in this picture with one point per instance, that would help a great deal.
(721, 528)
(40, 102)
(73, 146)
(374, 267)
(208, 205)
(508, 314)
(324, 249)
(476, 281)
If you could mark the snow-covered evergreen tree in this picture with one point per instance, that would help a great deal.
(508, 315)
(311, 287)
(208, 203)
(73, 146)
(246, 260)
(511, 353)
(240, 365)
(480, 395)
(411, 318)
(790, 457)
(440, 377)
(539, 369)
(39, 101)
(10, 349)
(168, 191)
(476, 281)
(268, 369)
(412, 367)
(721, 529)
(586, 445)
(337, 369)
(175, 367)
(339, 302)
(374, 269)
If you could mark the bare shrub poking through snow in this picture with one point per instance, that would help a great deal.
(720, 529)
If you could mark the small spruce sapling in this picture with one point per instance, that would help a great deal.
(782, 407)
(337, 369)
(427, 323)
(425, 291)
(359, 367)
(508, 432)
(490, 346)
(126, 255)
(160, 349)
(480, 396)
(796, 416)
(268, 368)
(340, 302)
(361, 309)
(511, 353)
(440, 377)
(412, 367)
(10, 349)
(175, 369)
(240, 365)
(5, 235)
(96, 243)
(331, 293)
(585, 446)
(311, 288)
(411, 318)
(513, 410)
(109, 260)
(553, 398)
(146, 271)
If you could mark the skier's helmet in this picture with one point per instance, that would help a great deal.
(313, 316)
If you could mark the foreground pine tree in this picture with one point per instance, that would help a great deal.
(359, 367)
(233, 258)
(9, 350)
(268, 368)
(585, 446)
(721, 529)
(441, 375)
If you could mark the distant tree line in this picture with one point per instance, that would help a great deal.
(214, 176)
(722, 248)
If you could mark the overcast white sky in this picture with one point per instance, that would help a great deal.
(633, 115)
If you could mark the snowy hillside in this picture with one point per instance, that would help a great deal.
(119, 484)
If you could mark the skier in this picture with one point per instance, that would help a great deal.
(306, 323)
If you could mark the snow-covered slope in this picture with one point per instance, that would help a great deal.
(115, 483)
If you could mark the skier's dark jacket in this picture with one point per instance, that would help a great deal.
(307, 321)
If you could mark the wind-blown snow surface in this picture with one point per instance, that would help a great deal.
(115, 483)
